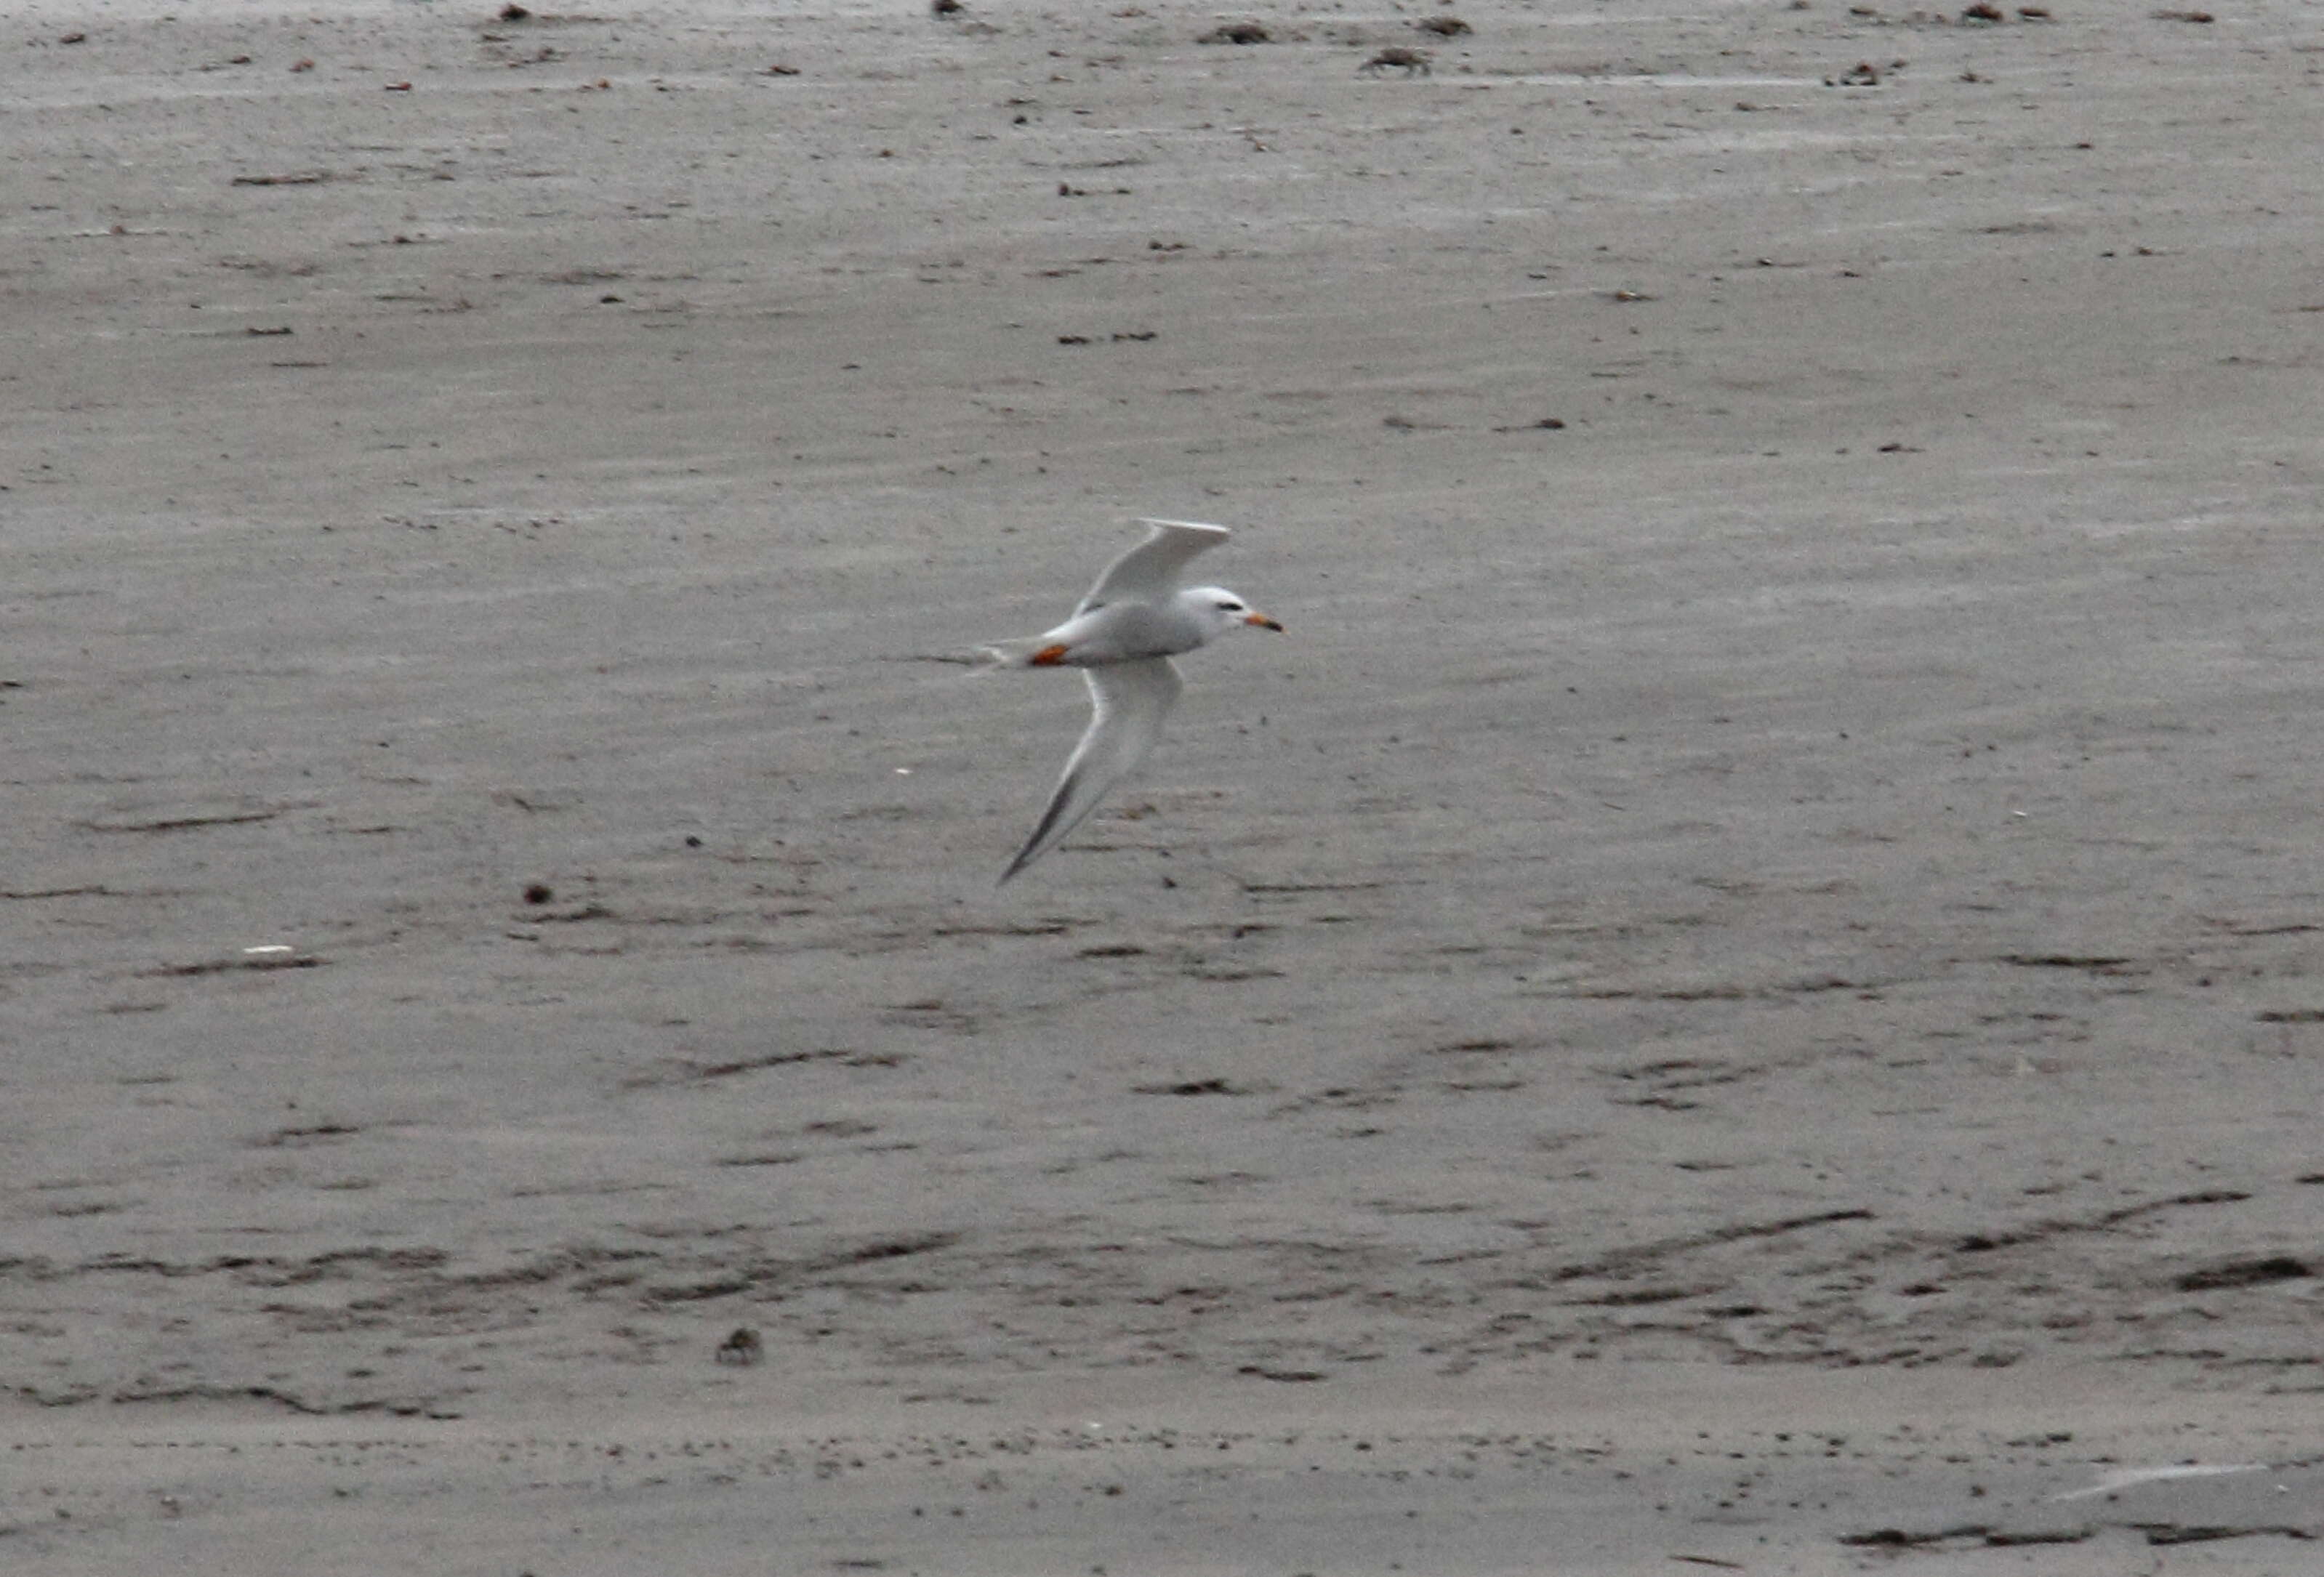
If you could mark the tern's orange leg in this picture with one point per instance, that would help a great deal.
(1048, 656)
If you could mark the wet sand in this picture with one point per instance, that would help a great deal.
(1740, 992)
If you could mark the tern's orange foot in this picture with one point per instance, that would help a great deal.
(1048, 656)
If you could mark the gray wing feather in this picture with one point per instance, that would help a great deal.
(1149, 571)
(1128, 702)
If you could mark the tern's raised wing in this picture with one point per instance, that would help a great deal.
(1149, 572)
(1128, 702)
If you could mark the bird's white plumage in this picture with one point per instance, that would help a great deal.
(1128, 702)
(1149, 571)
(1122, 637)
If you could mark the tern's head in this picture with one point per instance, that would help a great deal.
(1220, 610)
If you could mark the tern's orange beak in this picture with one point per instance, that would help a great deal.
(1263, 621)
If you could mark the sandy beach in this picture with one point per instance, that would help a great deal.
(1740, 992)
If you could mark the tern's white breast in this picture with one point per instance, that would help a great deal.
(1127, 632)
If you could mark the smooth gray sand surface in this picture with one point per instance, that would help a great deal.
(1740, 992)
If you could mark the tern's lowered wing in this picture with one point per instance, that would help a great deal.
(1129, 701)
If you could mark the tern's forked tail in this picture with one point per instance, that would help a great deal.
(1033, 651)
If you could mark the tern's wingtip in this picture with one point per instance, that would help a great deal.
(1187, 525)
